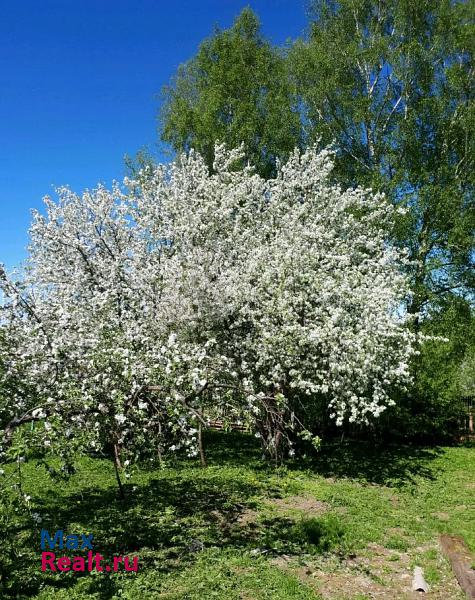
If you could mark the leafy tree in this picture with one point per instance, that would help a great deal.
(441, 375)
(392, 84)
(466, 378)
(235, 90)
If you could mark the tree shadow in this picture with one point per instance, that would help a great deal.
(166, 520)
(234, 448)
(167, 523)
(392, 465)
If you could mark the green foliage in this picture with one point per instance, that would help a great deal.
(314, 440)
(397, 542)
(143, 159)
(321, 535)
(235, 90)
(17, 532)
(435, 406)
(393, 86)
(466, 375)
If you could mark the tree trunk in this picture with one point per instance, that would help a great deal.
(200, 446)
(117, 467)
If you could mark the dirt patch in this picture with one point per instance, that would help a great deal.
(377, 573)
(348, 585)
(377, 550)
(442, 516)
(247, 518)
(227, 521)
(396, 531)
(300, 503)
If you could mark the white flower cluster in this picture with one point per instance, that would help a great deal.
(139, 304)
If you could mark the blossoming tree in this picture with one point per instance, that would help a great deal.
(143, 306)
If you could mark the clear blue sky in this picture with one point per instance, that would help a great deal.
(79, 86)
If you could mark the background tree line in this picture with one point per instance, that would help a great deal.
(391, 86)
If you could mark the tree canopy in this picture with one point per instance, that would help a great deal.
(272, 295)
(235, 90)
(392, 85)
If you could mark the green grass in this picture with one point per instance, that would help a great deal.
(184, 524)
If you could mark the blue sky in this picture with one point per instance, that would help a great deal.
(80, 83)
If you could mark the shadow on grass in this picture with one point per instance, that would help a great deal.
(176, 512)
(393, 465)
(166, 519)
(390, 465)
(233, 448)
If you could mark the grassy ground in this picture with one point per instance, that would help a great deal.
(352, 523)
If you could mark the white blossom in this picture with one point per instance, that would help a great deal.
(183, 282)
